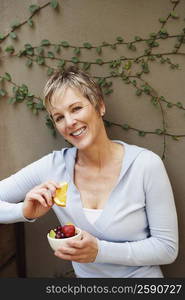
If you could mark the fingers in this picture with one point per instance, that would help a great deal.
(43, 193)
(39, 198)
(51, 186)
(69, 254)
(47, 194)
(77, 244)
(73, 255)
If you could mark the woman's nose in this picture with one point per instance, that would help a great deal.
(69, 120)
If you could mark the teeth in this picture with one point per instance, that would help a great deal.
(78, 132)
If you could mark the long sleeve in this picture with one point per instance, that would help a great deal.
(14, 189)
(161, 246)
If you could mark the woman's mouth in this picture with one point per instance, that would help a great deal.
(79, 132)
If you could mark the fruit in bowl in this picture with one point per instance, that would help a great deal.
(60, 235)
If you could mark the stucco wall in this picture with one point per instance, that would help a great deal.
(25, 138)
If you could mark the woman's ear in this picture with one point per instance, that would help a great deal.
(102, 108)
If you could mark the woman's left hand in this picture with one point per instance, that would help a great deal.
(83, 251)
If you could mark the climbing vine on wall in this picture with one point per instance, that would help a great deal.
(129, 69)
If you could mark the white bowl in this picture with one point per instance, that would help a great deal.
(57, 243)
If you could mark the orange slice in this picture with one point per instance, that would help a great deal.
(61, 194)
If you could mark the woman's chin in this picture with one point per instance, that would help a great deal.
(83, 144)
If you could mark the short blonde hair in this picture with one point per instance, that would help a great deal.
(75, 78)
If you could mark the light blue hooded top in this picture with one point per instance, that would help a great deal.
(137, 230)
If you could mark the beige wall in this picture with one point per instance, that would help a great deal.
(24, 137)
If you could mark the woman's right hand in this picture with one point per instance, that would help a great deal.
(39, 200)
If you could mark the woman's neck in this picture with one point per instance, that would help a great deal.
(98, 155)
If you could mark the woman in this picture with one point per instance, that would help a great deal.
(119, 194)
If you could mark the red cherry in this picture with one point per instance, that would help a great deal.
(68, 230)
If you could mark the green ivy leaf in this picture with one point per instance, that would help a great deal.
(35, 110)
(101, 81)
(141, 133)
(147, 51)
(119, 39)
(10, 49)
(2, 92)
(153, 100)
(153, 34)
(11, 100)
(76, 51)
(14, 24)
(125, 126)
(124, 77)
(163, 33)
(33, 8)
(30, 95)
(99, 61)
(23, 89)
(131, 46)
(50, 71)
(107, 123)
(30, 22)
(159, 131)
(86, 66)
(169, 105)
(174, 15)
(40, 105)
(75, 59)
(175, 138)
(40, 60)
(162, 20)
(7, 76)
(29, 104)
(64, 44)
(54, 4)
(128, 65)
(14, 89)
(40, 51)
(145, 67)
(156, 44)
(87, 45)
(13, 35)
(1, 37)
(30, 52)
(138, 92)
(61, 63)
(108, 91)
(57, 48)
(51, 54)
(29, 63)
(99, 50)
(179, 104)
(45, 43)
(134, 82)
(138, 38)
(163, 30)
(28, 46)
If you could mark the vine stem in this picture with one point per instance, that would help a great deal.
(25, 21)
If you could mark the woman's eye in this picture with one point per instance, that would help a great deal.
(76, 108)
(59, 118)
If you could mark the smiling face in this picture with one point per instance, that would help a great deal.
(76, 118)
